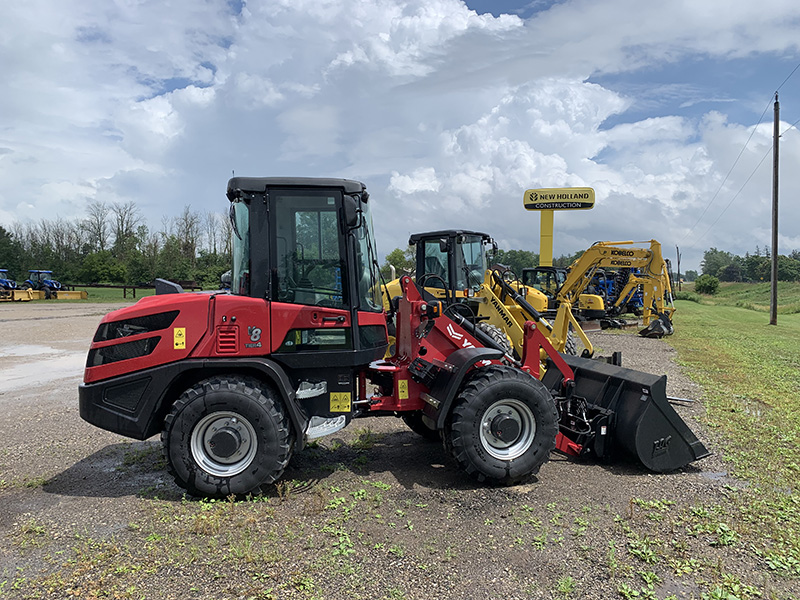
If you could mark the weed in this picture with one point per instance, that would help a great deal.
(565, 586)
(365, 439)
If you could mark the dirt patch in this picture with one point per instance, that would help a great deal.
(373, 511)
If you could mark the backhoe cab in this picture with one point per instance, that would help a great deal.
(237, 381)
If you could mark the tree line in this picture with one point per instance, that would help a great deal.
(404, 260)
(755, 267)
(722, 265)
(113, 244)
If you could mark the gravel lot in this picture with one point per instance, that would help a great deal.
(371, 512)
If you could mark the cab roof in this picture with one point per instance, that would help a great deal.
(445, 233)
(243, 185)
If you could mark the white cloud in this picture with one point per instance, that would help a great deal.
(447, 115)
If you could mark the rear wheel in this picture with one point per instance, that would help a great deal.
(503, 425)
(226, 435)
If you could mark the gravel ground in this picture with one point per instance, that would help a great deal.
(370, 512)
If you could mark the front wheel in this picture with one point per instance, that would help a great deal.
(226, 435)
(503, 425)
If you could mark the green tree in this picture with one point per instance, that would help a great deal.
(516, 260)
(714, 260)
(566, 260)
(730, 272)
(102, 267)
(401, 260)
(706, 284)
(11, 252)
(690, 275)
(788, 269)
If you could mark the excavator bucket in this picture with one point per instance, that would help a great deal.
(609, 408)
(658, 327)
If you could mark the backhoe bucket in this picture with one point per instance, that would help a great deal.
(612, 407)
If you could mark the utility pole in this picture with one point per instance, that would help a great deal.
(678, 251)
(773, 302)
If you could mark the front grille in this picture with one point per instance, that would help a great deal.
(124, 351)
(227, 340)
(134, 326)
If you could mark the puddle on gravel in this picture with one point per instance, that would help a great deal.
(26, 350)
(42, 369)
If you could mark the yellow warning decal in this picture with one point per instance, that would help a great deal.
(179, 338)
(340, 401)
(402, 389)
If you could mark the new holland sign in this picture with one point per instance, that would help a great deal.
(559, 199)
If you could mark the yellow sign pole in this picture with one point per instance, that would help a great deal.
(546, 238)
(549, 200)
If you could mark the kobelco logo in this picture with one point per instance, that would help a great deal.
(621, 263)
(622, 253)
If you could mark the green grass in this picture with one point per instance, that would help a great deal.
(112, 294)
(753, 296)
(750, 372)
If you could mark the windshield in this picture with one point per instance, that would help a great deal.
(240, 222)
(470, 263)
(369, 289)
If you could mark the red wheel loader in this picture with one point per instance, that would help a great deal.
(237, 381)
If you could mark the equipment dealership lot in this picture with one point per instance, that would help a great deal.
(373, 511)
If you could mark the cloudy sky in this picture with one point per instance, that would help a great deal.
(447, 110)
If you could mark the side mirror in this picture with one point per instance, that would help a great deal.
(350, 211)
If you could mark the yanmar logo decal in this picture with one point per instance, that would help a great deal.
(464, 342)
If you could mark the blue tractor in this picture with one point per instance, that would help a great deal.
(5, 282)
(40, 280)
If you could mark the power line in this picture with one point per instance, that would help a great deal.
(787, 78)
(752, 133)
(721, 185)
(736, 195)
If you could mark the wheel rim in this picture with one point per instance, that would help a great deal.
(507, 429)
(224, 443)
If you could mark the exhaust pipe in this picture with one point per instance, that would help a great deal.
(611, 408)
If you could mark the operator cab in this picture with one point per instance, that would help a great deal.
(307, 247)
(547, 280)
(452, 260)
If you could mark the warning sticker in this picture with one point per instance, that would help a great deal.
(402, 389)
(340, 401)
(179, 338)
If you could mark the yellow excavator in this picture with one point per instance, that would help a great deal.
(452, 265)
(646, 270)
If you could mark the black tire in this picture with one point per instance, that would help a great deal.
(244, 420)
(498, 398)
(498, 335)
(47, 292)
(418, 426)
(571, 343)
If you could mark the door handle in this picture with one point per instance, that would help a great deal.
(339, 319)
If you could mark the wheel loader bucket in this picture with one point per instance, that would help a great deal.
(611, 407)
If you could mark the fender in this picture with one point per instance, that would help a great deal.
(135, 405)
(446, 385)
